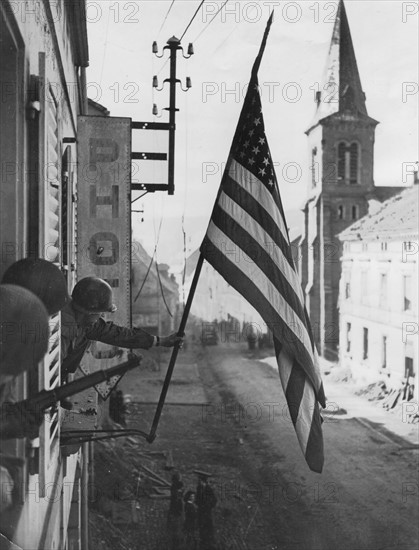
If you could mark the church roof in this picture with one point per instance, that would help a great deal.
(340, 89)
(396, 218)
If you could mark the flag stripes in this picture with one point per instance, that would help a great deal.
(261, 244)
(248, 279)
(256, 210)
(303, 407)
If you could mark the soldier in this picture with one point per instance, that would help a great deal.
(32, 290)
(175, 513)
(82, 323)
(42, 278)
(205, 502)
(23, 343)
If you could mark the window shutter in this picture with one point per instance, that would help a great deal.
(49, 215)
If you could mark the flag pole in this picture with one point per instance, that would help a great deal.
(181, 331)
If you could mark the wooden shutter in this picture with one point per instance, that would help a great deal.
(49, 215)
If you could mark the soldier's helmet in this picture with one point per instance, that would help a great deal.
(93, 295)
(24, 330)
(42, 278)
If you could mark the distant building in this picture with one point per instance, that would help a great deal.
(216, 301)
(379, 293)
(96, 109)
(155, 294)
(341, 141)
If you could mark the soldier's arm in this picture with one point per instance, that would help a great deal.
(116, 335)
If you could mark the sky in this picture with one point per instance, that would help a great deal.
(122, 66)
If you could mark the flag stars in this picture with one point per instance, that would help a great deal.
(266, 161)
(271, 182)
(256, 150)
(246, 143)
(251, 132)
(262, 140)
(262, 171)
(251, 161)
(256, 121)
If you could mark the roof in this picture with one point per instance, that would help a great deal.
(341, 90)
(396, 218)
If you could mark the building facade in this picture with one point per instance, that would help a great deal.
(155, 294)
(341, 146)
(379, 294)
(42, 76)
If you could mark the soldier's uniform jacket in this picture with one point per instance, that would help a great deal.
(76, 339)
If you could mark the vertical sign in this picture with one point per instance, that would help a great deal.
(104, 220)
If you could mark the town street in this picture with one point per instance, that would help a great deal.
(226, 414)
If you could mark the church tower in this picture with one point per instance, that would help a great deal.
(341, 144)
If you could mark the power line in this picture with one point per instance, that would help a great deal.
(211, 20)
(166, 16)
(190, 22)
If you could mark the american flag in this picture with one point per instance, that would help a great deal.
(247, 242)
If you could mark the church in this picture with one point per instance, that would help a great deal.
(341, 143)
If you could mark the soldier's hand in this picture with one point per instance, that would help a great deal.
(171, 340)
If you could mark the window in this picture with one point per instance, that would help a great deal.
(365, 344)
(314, 166)
(407, 292)
(384, 352)
(383, 290)
(355, 214)
(341, 161)
(353, 163)
(348, 337)
(347, 291)
(408, 360)
(341, 212)
(348, 162)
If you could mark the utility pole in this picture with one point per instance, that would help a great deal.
(173, 45)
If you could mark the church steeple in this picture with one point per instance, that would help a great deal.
(340, 90)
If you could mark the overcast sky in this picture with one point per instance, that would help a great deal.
(122, 66)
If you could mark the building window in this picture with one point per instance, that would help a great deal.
(314, 167)
(353, 163)
(341, 212)
(407, 292)
(355, 214)
(348, 337)
(365, 344)
(383, 290)
(384, 246)
(347, 291)
(384, 352)
(364, 247)
(348, 163)
(408, 360)
(341, 161)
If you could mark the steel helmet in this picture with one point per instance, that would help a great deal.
(42, 278)
(24, 330)
(93, 295)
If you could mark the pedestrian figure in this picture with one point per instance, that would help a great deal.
(189, 527)
(175, 514)
(117, 407)
(205, 501)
